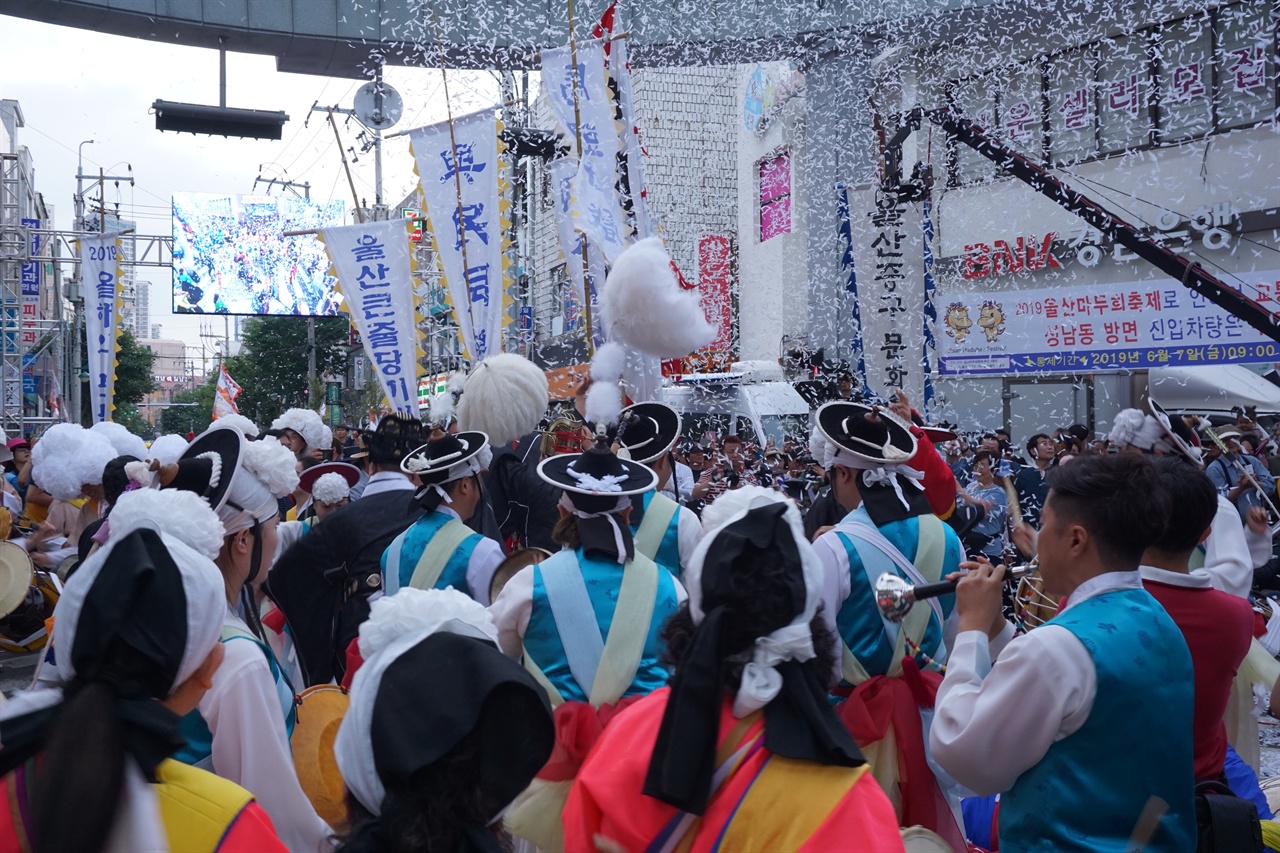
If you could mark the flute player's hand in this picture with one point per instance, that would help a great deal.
(979, 595)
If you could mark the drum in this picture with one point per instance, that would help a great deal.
(320, 712)
(25, 628)
(917, 839)
(511, 566)
(1032, 607)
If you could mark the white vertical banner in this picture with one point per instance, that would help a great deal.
(374, 269)
(561, 173)
(620, 70)
(100, 277)
(463, 191)
(888, 250)
(597, 209)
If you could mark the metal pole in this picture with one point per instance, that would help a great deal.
(355, 198)
(79, 205)
(222, 73)
(311, 357)
(377, 137)
(102, 203)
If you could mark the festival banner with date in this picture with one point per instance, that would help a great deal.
(462, 184)
(101, 275)
(374, 269)
(1099, 327)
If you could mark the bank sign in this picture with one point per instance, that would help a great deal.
(1099, 327)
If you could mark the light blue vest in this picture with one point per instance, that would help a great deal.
(668, 555)
(416, 540)
(1087, 792)
(867, 634)
(199, 746)
(603, 578)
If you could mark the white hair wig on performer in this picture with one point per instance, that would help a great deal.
(396, 624)
(167, 448)
(1137, 428)
(305, 423)
(67, 458)
(646, 309)
(267, 471)
(125, 442)
(760, 679)
(247, 427)
(175, 513)
(330, 489)
(505, 397)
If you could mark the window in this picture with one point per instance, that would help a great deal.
(775, 196)
(559, 304)
(1246, 64)
(1184, 53)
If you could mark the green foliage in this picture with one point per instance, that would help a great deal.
(196, 418)
(272, 365)
(128, 417)
(133, 375)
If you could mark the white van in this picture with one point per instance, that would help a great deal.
(752, 401)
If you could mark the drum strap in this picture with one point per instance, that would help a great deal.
(436, 555)
(653, 527)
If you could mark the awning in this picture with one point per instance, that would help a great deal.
(1212, 389)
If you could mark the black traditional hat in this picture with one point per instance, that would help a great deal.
(597, 472)
(869, 433)
(648, 430)
(443, 459)
(208, 465)
(394, 438)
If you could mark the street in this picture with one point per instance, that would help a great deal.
(16, 671)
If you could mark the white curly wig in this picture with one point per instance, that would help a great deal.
(167, 448)
(125, 442)
(307, 424)
(67, 458)
(247, 427)
(330, 489)
(184, 515)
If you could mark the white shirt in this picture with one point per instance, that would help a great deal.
(251, 746)
(1227, 551)
(1003, 704)
(483, 563)
(684, 482)
(387, 481)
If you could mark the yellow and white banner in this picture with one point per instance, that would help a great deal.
(100, 274)
(225, 393)
(461, 179)
(374, 269)
(597, 208)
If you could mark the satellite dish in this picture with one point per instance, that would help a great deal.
(378, 106)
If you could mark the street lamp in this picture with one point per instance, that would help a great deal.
(80, 183)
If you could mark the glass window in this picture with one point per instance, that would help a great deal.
(1185, 77)
(744, 429)
(780, 428)
(1124, 94)
(775, 196)
(1072, 113)
(1246, 61)
(975, 100)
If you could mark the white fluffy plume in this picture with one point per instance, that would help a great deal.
(125, 442)
(1133, 426)
(247, 427)
(167, 448)
(181, 514)
(273, 464)
(67, 457)
(441, 411)
(645, 307)
(604, 397)
(505, 397)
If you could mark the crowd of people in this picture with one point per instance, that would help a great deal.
(505, 626)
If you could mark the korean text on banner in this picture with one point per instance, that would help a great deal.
(374, 269)
(597, 208)
(103, 292)
(889, 254)
(224, 398)
(463, 188)
(31, 293)
(620, 70)
(1133, 325)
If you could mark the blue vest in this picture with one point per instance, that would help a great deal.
(867, 634)
(603, 578)
(1087, 792)
(416, 540)
(199, 746)
(668, 555)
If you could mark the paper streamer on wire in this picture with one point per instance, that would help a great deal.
(597, 209)
(464, 193)
(374, 269)
(103, 292)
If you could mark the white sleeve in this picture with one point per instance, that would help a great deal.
(287, 533)
(992, 723)
(251, 748)
(511, 613)
(480, 568)
(1226, 553)
(684, 480)
(1259, 546)
(688, 534)
(835, 588)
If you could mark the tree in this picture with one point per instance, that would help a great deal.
(272, 365)
(196, 415)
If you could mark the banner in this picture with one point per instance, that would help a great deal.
(845, 236)
(461, 180)
(591, 279)
(620, 70)
(1100, 327)
(929, 356)
(374, 269)
(225, 393)
(100, 275)
(597, 209)
(888, 249)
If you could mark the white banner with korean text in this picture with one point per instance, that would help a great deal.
(374, 269)
(888, 252)
(101, 275)
(1132, 325)
(597, 207)
(460, 177)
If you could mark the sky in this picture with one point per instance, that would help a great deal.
(74, 85)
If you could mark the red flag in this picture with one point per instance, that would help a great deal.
(604, 27)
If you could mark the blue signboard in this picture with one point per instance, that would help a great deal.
(31, 269)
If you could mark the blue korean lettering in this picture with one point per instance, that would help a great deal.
(570, 81)
(466, 218)
(463, 164)
(478, 283)
(388, 362)
(368, 248)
